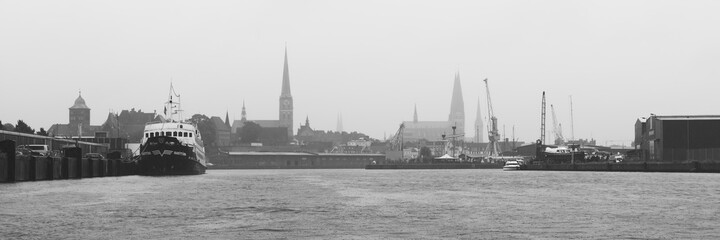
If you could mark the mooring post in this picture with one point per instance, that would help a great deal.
(64, 168)
(91, 171)
(50, 175)
(32, 168)
(75, 153)
(7, 147)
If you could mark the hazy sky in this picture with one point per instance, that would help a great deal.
(371, 60)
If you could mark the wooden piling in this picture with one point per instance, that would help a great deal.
(76, 154)
(7, 147)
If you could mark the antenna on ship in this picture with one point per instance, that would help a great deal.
(173, 104)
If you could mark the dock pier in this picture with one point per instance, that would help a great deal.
(14, 168)
(694, 166)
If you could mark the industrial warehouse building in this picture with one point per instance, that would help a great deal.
(678, 138)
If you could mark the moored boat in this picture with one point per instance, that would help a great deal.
(511, 165)
(171, 147)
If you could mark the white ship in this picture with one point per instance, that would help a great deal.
(172, 146)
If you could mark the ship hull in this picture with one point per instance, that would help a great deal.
(166, 156)
(169, 165)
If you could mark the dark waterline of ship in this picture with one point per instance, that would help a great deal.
(360, 204)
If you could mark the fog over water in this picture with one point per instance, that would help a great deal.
(372, 61)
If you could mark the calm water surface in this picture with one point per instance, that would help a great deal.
(362, 204)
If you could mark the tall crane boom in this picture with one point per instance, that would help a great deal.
(493, 135)
(397, 141)
(491, 113)
(542, 121)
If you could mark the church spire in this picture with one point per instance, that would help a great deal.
(227, 118)
(457, 106)
(339, 123)
(479, 124)
(415, 117)
(286, 78)
(286, 101)
(243, 113)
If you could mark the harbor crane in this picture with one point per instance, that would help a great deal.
(542, 122)
(492, 149)
(557, 128)
(396, 143)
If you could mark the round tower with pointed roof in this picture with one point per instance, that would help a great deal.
(79, 113)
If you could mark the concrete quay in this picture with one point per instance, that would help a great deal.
(435, 166)
(703, 167)
(72, 166)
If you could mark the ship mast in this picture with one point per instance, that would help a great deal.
(572, 122)
(173, 105)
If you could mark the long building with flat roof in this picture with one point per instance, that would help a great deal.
(678, 138)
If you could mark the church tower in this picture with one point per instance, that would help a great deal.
(79, 115)
(286, 101)
(227, 118)
(457, 107)
(415, 117)
(339, 126)
(479, 128)
(243, 116)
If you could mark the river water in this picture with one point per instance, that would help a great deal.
(367, 204)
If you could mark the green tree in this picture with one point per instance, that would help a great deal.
(42, 132)
(206, 128)
(425, 154)
(22, 127)
(249, 133)
(8, 127)
(1, 126)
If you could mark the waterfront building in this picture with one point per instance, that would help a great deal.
(222, 132)
(323, 141)
(129, 124)
(78, 124)
(678, 138)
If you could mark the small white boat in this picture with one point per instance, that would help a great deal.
(511, 166)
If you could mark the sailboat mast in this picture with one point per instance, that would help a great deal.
(572, 121)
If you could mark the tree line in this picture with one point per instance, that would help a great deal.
(22, 127)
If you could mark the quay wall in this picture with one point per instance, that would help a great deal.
(34, 168)
(436, 166)
(292, 160)
(707, 167)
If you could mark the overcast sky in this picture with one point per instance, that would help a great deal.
(371, 60)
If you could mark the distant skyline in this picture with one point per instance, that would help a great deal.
(374, 61)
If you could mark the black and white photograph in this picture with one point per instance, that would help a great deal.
(390, 119)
